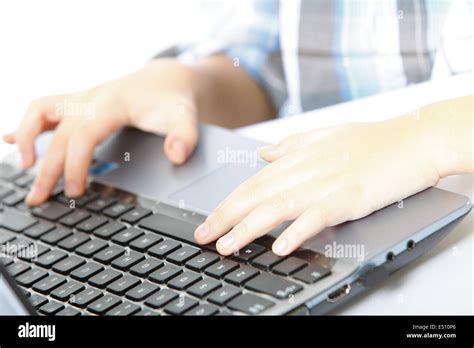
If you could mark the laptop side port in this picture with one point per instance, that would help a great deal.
(339, 294)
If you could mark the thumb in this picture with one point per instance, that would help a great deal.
(181, 138)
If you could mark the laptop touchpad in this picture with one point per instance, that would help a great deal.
(204, 194)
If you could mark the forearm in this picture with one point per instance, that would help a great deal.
(227, 95)
(450, 125)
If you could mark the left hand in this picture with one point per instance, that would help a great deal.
(322, 178)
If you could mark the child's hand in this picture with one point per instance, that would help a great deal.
(322, 178)
(158, 99)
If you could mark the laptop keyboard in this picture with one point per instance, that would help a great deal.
(101, 254)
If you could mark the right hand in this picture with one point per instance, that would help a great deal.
(158, 98)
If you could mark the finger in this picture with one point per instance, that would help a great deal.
(52, 166)
(262, 220)
(334, 209)
(80, 149)
(39, 117)
(293, 143)
(9, 138)
(181, 138)
(238, 205)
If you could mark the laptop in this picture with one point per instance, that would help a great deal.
(127, 247)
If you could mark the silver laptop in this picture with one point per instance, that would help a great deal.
(127, 246)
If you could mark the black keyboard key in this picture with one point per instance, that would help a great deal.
(122, 285)
(65, 291)
(79, 201)
(100, 204)
(51, 308)
(5, 192)
(109, 229)
(108, 254)
(249, 252)
(164, 248)
(311, 274)
(24, 181)
(38, 300)
(33, 252)
(145, 242)
(127, 235)
(83, 298)
(250, 304)
(171, 227)
(203, 310)
(14, 199)
(142, 291)
(182, 255)
(30, 277)
(223, 295)
(9, 172)
(86, 271)
(21, 247)
(184, 280)
(92, 224)
(6, 236)
(241, 275)
(161, 298)
(6, 260)
(68, 312)
(52, 211)
(56, 235)
(126, 308)
(18, 268)
(273, 285)
(104, 278)
(91, 247)
(72, 242)
(39, 229)
(204, 287)
(46, 285)
(50, 258)
(267, 260)
(181, 305)
(103, 304)
(146, 312)
(68, 264)
(221, 268)
(128, 260)
(289, 266)
(202, 261)
(135, 215)
(165, 273)
(118, 209)
(74, 218)
(145, 267)
(17, 222)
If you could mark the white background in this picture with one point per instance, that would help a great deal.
(53, 46)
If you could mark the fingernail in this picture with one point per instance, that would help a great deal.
(36, 191)
(279, 247)
(179, 149)
(202, 231)
(225, 243)
(72, 189)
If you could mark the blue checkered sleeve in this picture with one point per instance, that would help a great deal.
(248, 39)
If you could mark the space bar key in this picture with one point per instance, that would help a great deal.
(170, 227)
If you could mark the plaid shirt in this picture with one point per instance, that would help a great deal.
(308, 54)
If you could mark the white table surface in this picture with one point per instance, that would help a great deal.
(440, 282)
